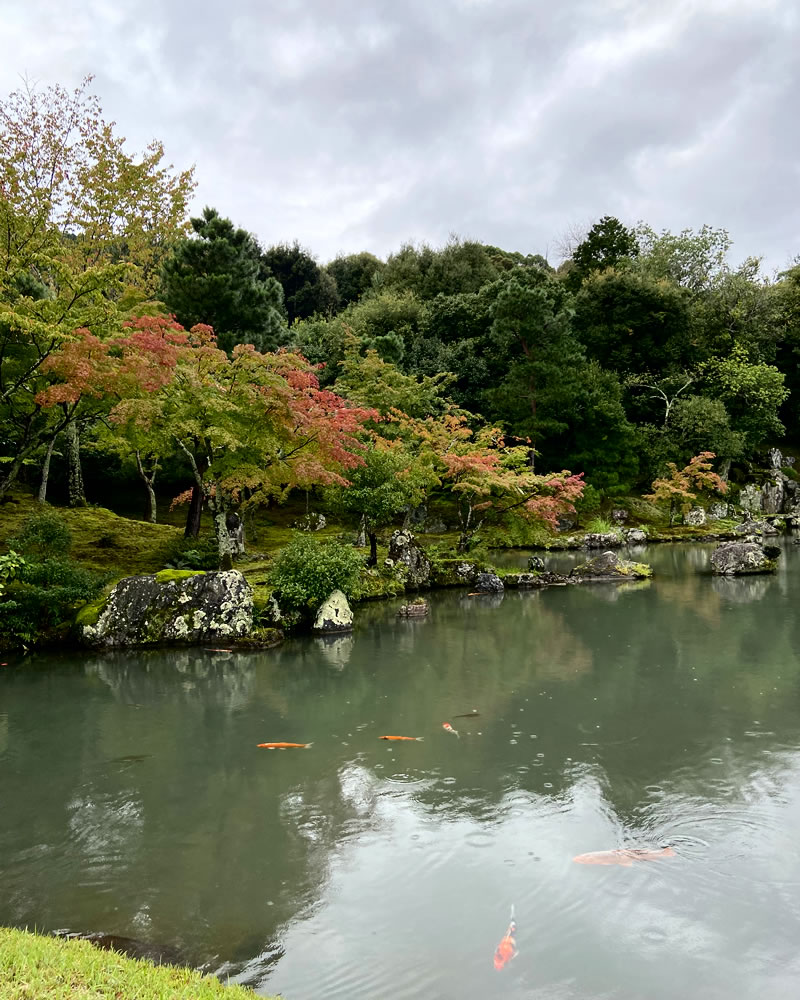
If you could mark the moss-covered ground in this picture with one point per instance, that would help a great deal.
(35, 967)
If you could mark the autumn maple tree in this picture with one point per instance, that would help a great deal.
(681, 487)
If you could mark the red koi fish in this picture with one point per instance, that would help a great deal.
(284, 746)
(507, 949)
(625, 856)
(449, 728)
(412, 738)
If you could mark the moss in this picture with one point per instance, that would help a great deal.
(168, 575)
(90, 613)
(636, 569)
(49, 968)
(259, 638)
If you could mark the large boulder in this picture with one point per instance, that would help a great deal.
(772, 496)
(597, 540)
(609, 566)
(407, 554)
(488, 583)
(334, 615)
(750, 499)
(635, 536)
(718, 510)
(748, 556)
(695, 518)
(174, 607)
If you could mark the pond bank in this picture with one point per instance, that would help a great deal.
(50, 968)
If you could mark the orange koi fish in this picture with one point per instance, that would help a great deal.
(449, 728)
(284, 746)
(625, 856)
(411, 738)
(507, 949)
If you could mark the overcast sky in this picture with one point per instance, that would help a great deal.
(363, 124)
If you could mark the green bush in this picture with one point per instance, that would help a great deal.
(44, 535)
(192, 553)
(308, 570)
(589, 503)
(42, 599)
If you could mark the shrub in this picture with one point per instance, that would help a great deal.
(43, 597)
(308, 570)
(192, 553)
(44, 535)
(589, 502)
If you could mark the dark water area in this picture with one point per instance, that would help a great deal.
(133, 799)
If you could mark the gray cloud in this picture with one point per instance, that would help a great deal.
(358, 125)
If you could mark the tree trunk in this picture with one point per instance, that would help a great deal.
(10, 477)
(194, 514)
(46, 469)
(373, 549)
(148, 482)
(77, 496)
(724, 469)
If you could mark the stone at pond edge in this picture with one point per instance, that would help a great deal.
(609, 566)
(635, 536)
(417, 609)
(171, 609)
(695, 518)
(488, 583)
(595, 540)
(734, 558)
(410, 558)
(334, 615)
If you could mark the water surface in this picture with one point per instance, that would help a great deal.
(133, 799)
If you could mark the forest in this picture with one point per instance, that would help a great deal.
(179, 360)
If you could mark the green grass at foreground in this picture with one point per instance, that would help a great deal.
(35, 967)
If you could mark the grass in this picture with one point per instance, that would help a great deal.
(35, 967)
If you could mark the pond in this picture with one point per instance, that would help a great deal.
(134, 801)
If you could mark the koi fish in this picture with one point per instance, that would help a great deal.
(449, 728)
(411, 738)
(284, 746)
(507, 949)
(624, 856)
(468, 715)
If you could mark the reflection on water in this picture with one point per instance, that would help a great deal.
(133, 799)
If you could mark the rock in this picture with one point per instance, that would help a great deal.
(772, 496)
(750, 498)
(420, 520)
(619, 516)
(524, 580)
(565, 523)
(717, 511)
(635, 536)
(488, 583)
(536, 562)
(334, 614)
(417, 609)
(174, 607)
(404, 550)
(611, 540)
(753, 527)
(608, 566)
(695, 518)
(775, 458)
(734, 558)
(311, 522)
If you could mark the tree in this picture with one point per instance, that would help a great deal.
(607, 244)
(217, 279)
(251, 424)
(391, 480)
(752, 393)
(532, 333)
(695, 261)
(83, 227)
(681, 487)
(354, 274)
(371, 381)
(308, 289)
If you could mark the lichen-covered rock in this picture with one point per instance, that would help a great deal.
(596, 540)
(695, 518)
(175, 607)
(734, 558)
(311, 522)
(750, 498)
(718, 510)
(753, 527)
(334, 615)
(522, 581)
(488, 583)
(772, 496)
(536, 563)
(635, 536)
(609, 566)
(619, 516)
(416, 567)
